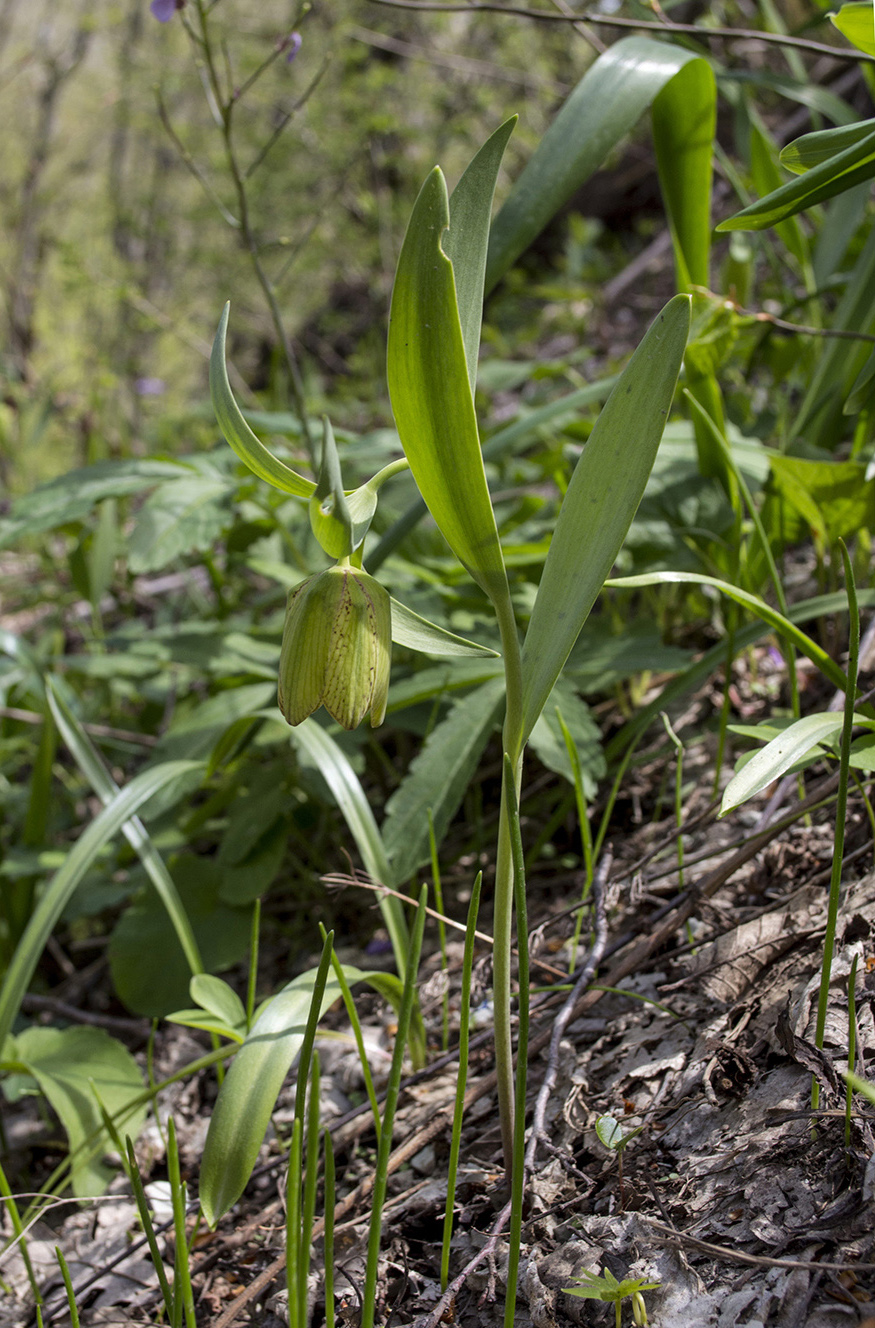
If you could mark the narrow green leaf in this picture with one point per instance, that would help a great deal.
(330, 516)
(78, 1069)
(90, 763)
(237, 432)
(812, 149)
(431, 394)
(759, 607)
(438, 778)
(416, 633)
(684, 122)
(833, 176)
(780, 754)
(66, 879)
(601, 501)
(467, 240)
(350, 797)
(606, 104)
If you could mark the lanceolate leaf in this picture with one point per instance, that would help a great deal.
(237, 432)
(757, 606)
(438, 778)
(855, 21)
(62, 885)
(812, 149)
(466, 241)
(684, 121)
(431, 394)
(601, 501)
(835, 175)
(416, 633)
(780, 754)
(249, 1093)
(606, 104)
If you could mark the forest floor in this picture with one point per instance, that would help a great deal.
(746, 1206)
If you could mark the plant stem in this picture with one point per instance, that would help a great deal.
(513, 748)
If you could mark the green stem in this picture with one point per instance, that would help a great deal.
(513, 748)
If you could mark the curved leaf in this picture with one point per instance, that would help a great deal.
(606, 104)
(855, 21)
(757, 606)
(780, 754)
(431, 394)
(684, 123)
(350, 797)
(248, 1095)
(467, 240)
(237, 432)
(62, 885)
(602, 499)
(416, 633)
(835, 175)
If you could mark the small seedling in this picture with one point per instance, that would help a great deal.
(612, 1135)
(595, 1286)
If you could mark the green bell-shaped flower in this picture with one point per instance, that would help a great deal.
(337, 645)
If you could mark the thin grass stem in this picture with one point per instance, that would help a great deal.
(518, 1172)
(393, 1088)
(841, 812)
(328, 1235)
(183, 1298)
(353, 1017)
(442, 930)
(68, 1287)
(20, 1236)
(311, 1176)
(293, 1224)
(461, 1078)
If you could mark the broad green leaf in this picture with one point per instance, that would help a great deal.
(601, 501)
(684, 122)
(833, 176)
(466, 242)
(416, 633)
(184, 516)
(609, 1131)
(248, 1095)
(77, 1069)
(785, 626)
(62, 885)
(438, 779)
(606, 104)
(812, 149)
(335, 769)
(237, 432)
(74, 495)
(835, 498)
(780, 754)
(149, 969)
(431, 394)
(855, 21)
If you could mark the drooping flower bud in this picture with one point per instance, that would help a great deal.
(336, 652)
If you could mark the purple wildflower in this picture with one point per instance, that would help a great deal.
(291, 45)
(164, 10)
